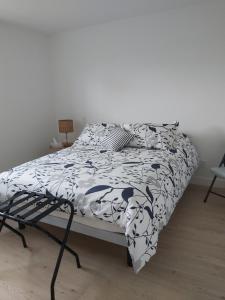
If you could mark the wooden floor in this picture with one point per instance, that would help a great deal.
(189, 264)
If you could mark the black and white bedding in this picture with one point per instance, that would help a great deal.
(135, 188)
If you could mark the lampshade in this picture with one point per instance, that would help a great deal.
(65, 126)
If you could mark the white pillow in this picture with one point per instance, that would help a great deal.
(94, 133)
(139, 131)
(152, 136)
(161, 136)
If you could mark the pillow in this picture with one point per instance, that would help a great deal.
(152, 136)
(117, 139)
(94, 133)
(138, 130)
(161, 136)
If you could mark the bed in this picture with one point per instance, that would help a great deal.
(125, 197)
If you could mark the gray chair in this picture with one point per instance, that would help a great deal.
(218, 172)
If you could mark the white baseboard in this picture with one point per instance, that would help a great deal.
(206, 181)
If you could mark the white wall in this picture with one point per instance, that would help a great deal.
(164, 67)
(26, 111)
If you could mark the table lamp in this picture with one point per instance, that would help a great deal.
(66, 126)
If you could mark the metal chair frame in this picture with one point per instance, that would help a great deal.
(28, 209)
(213, 182)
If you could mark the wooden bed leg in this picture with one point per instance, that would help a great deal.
(129, 259)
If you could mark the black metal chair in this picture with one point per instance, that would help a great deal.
(30, 208)
(218, 172)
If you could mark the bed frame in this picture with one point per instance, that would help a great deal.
(108, 236)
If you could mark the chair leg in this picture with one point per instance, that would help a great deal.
(210, 189)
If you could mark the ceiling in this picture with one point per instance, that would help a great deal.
(57, 15)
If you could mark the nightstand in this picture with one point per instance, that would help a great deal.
(55, 149)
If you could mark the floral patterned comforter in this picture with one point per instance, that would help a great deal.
(135, 188)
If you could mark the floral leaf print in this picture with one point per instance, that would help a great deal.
(97, 188)
(149, 193)
(147, 208)
(155, 166)
(127, 193)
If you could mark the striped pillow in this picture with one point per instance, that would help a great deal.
(117, 139)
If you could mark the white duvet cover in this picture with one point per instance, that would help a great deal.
(137, 189)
